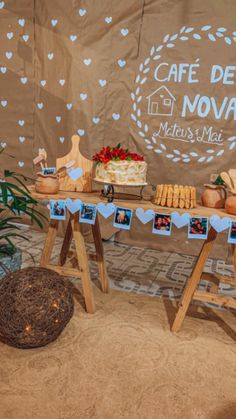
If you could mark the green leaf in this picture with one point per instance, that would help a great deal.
(14, 188)
(34, 218)
(4, 193)
(7, 249)
(219, 181)
(20, 182)
(8, 173)
(41, 215)
(15, 197)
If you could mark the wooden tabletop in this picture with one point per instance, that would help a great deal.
(95, 198)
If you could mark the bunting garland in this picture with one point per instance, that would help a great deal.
(198, 227)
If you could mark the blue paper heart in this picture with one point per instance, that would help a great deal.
(180, 220)
(75, 173)
(219, 224)
(73, 205)
(144, 216)
(106, 210)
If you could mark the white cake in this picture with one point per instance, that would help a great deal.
(122, 172)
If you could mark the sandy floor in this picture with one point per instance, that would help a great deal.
(123, 362)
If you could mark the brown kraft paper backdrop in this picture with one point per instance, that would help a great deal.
(91, 68)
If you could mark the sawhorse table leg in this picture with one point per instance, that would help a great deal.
(98, 248)
(100, 256)
(234, 260)
(73, 230)
(66, 243)
(49, 243)
(83, 264)
(194, 280)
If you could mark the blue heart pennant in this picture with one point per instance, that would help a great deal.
(106, 210)
(145, 216)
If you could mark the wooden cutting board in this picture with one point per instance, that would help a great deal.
(84, 183)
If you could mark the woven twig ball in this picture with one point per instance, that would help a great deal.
(35, 306)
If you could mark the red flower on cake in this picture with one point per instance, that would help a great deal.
(116, 153)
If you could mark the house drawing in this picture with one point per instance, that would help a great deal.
(161, 102)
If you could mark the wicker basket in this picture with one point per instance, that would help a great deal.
(35, 306)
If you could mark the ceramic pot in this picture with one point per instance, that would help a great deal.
(214, 196)
(47, 184)
(230, 205)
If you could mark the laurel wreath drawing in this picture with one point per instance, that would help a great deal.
(169, 41)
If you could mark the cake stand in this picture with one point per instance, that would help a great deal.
(109, 193)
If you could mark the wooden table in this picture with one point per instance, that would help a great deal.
(190, 292)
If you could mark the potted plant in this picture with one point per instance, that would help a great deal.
(15, 201)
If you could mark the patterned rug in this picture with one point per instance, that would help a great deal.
(135, 269)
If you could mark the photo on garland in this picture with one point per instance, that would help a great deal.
(88, 214)
(123, 218)
(198, 228)
(49, 171)
(58, 209)
(162, 224)
(232, 233)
